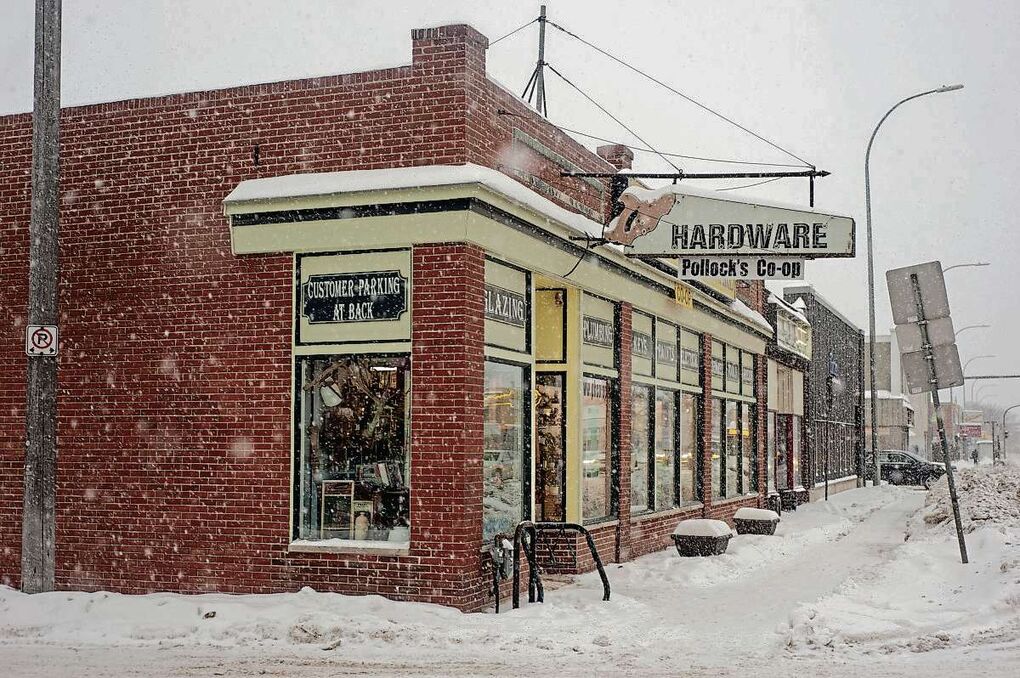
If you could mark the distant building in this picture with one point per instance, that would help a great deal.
(789, 361)
(833, 396)
(895, 413)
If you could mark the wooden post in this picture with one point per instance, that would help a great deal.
(38, 513)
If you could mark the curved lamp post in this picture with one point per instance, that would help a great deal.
(968, 327)
(980, 390)
(871, 271)
(979, 263)
(1005, 433)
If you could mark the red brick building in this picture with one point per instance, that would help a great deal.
(389, 349)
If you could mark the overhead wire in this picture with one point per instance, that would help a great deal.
(759, 183)
(678, 155)
(615, 119)
(678, 93)
(516, 30)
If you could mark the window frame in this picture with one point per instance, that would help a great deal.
(527, 384)
(297, 437)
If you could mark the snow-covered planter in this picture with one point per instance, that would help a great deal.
(701, 537)
(755, 521)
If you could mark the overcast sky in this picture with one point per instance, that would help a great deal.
(814, 77)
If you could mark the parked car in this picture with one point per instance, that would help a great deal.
(899, 467)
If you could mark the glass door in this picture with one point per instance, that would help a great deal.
(550, 446)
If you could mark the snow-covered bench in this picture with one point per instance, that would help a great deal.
(701, 537)
(755, 521)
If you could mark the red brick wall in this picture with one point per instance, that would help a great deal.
(175, 368)
(15, 196)
(625, 366)
(175, 365)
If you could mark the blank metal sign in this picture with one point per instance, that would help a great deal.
(933, 292)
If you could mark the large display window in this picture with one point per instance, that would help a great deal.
(773, 467)
(731, 468)
(718, 457)
(596, 449)
(353, 466)
(505, 469)
(665, 449)
(640, 447)
(551, 446)
(688, 447)
(748, 467)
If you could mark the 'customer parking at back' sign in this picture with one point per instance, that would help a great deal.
(354, 297)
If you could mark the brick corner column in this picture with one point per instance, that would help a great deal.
(706, 423)
(624, 440)
(447, 389)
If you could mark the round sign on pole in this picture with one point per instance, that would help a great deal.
(41, 340)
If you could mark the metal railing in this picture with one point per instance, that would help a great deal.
(526, 539)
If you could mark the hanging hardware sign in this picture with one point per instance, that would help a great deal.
(354, 297)
(674, 222)
(740, 268)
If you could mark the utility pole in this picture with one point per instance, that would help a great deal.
(38, 513)
(536, 83)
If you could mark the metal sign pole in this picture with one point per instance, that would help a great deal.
(929, 356)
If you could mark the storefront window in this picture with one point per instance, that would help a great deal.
(732, 471)
(770, 453)
(504, 471)
(795, 451)
(718, 457)
(748, 481)
(353, 465)
(688, 447)
(551, 446)
(665, 449)
(640, 447)
(596, 458)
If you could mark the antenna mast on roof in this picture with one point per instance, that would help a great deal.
(535, 89)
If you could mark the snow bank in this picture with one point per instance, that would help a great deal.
(987, 495)
(925, 599)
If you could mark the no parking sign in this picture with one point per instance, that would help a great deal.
(41, 340)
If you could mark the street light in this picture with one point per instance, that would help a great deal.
(1005, 433)
(979, 263)
(871, 271)
(968, 327)
(980, 389)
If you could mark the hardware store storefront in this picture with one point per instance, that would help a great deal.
(451, 379)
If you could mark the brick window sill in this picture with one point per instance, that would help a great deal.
(733, 500)
(676, 511)
(381, 548)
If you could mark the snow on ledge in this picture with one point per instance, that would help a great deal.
(748, 513)
(348, 546)
(753, 316)
(702, 527)
(399, 178)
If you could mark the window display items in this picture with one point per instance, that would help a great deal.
(550, 441)
(353, 461)
(596, 460)
(640, 447)
(503, 488)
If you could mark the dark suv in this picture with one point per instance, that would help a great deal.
(899, 467)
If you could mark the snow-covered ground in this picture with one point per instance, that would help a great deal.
(867, 584)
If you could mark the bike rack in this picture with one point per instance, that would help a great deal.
(530, 530)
